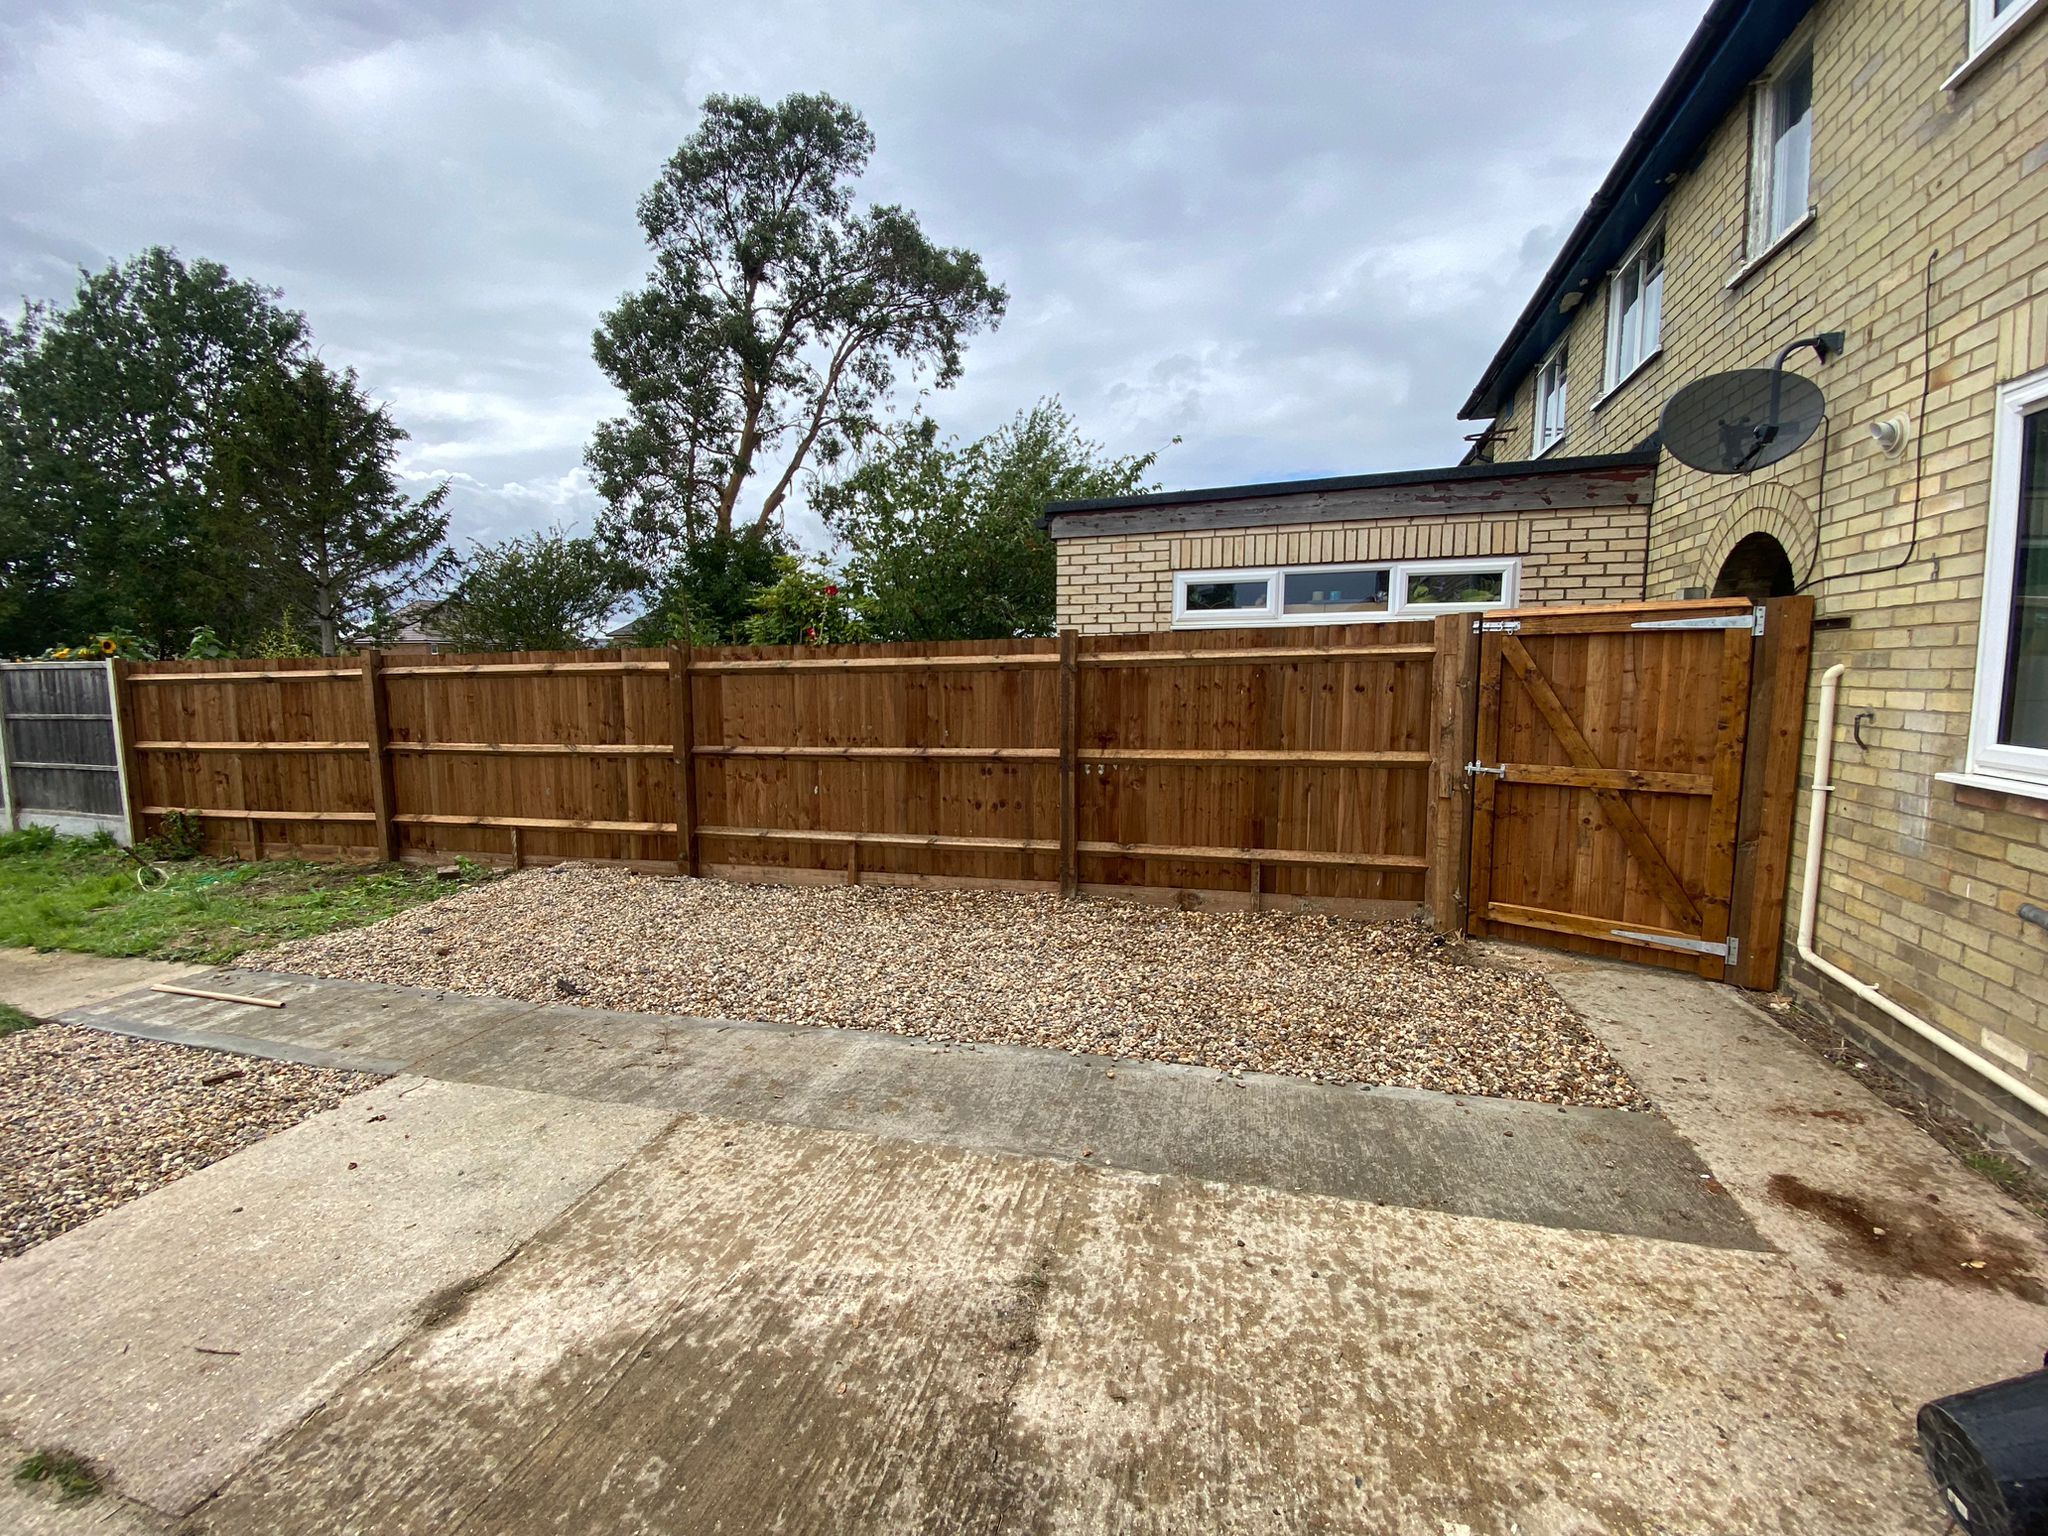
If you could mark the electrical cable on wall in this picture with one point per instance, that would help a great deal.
(1919, 441)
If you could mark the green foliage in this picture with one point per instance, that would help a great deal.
(284, 636)
(80, 894)
(708, 595)
(545, 592)
(944, 536)
(312, 467)
(13, 1021)
(180, 835)
(205, 645)
(807, 606)
(774, 323)
(72, 1476)
(113, 411)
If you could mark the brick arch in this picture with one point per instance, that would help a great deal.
(1771, 509)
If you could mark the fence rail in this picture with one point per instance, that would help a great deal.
(1308, 768)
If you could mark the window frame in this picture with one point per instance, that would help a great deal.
(1987, 755)
(1398, 610)
(1619, 372)
(1760, 238)
(1560, 354)
(1988, 28)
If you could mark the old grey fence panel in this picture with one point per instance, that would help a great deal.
(60, 765)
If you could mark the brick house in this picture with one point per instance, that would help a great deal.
(1877, 168)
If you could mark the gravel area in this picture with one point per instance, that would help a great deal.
(90, 1120)
(1318, 997)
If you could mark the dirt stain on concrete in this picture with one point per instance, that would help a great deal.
(1891, 1237)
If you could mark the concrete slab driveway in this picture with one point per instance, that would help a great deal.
(750, 1299)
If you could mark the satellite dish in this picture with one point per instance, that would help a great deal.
(1735, 422)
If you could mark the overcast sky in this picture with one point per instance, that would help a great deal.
(1289, 235)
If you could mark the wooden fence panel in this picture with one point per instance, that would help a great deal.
(59, 758)
(1291, 766)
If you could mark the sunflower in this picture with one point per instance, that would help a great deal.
(109, 646)
(62, 653)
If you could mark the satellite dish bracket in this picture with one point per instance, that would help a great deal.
(1826, 345)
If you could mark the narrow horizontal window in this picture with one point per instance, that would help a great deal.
(1441, 589)
(1226, 596)
(1341, 594)
(1337, 592)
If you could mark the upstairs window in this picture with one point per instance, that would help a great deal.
(1781, 152)
(1635, 309)
(1552, 379)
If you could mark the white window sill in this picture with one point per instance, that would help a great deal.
(1762, 258)
(1549, 448)
(1626, 379)
(2031, 789)
(1996, 44)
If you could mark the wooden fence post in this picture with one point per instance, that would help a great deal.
(682, 730)
(1070, 749)
(1779, 673)
(376, 717)
(121, 704)
(1453, 694)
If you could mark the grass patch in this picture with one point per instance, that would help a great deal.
(2003, 1172)
(81, 894)
(13, 1020)
(72, 1476)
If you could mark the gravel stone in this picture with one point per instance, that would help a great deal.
(1308, 995)
(90, 1120)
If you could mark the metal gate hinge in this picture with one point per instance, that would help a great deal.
(1476, 768)
(1753, 621)
(1729, 949)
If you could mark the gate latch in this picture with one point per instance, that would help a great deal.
(1479, 768)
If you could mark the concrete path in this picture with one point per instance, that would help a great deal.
(1594, 1169)
(765, 1297)
(1931, 1275)
(46, 983)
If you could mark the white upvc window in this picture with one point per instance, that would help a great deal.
(1342, 594)
(1553, 383)
(1990, 20)
(1781, 150)
(2009, 717)
(1635, 309)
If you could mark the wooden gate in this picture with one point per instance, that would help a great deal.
(1609, 812)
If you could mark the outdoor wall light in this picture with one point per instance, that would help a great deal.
(1890, 435)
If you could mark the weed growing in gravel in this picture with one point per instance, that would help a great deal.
(72, 1476)
(79, 893)
(13, 1020)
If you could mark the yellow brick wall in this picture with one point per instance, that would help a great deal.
(1115, 584)
(1920, 891)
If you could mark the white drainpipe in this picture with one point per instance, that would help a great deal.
(1809, 903)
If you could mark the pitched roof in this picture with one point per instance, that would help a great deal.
(1733, 45)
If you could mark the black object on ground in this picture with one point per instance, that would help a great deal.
(1988, 1452)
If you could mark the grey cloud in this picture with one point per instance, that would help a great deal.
(1291, 236)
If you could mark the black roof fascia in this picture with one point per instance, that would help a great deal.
(1522, 469)
(1734, 43)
